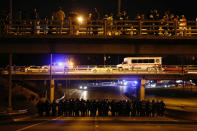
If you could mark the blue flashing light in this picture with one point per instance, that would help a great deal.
(125, 83)
(60, 63)
(134, 83)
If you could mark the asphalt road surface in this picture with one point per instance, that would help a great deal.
(97, 123)
(97, 93)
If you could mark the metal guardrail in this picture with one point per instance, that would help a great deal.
(101, 27)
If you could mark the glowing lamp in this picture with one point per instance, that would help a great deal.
(71, 63)
(80, 19)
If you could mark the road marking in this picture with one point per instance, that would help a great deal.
(22, 129)
(21, 119)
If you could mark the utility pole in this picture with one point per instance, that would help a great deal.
(119, 7)
(10, 84)
(10, 12)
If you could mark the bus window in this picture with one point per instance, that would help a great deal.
(125, 62)
(151, 61)
(145, 60)
(134, 61)
(140, 61)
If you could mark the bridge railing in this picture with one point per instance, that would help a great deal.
(100, 27)
(169, 69)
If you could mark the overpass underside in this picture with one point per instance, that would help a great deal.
(100, 45)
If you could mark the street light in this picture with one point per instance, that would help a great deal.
(119, 7)
(10, 12)
(80, 19)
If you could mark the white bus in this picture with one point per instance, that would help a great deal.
(149, 64)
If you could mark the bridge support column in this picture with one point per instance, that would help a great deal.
(52, 89)
(45, 89)
(141, 90)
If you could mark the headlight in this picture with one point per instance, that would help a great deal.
(80, 87)
(85, 87)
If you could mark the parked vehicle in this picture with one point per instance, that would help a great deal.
(150, 64)
(36, 69)
(101, 69)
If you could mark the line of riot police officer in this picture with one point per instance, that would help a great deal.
(92, 108)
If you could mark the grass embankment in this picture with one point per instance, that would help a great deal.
(22, 97)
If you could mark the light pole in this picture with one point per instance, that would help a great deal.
(10, 12)
(119, 7)
(10, 84)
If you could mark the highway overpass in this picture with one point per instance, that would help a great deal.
(102, 76)
(133, 45)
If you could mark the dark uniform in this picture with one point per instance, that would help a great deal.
(154, 108)
(66, 108)
(60, 108)
(47, 107)
(113, 108)
(100, 108)
(76, 107)
(105, 108)
(54, 108)
(40, 107)
(162, 108)
(148, 108)
(83, 108)
(133, 108)
(71, 104)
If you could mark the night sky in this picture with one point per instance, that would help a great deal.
(46, 7)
